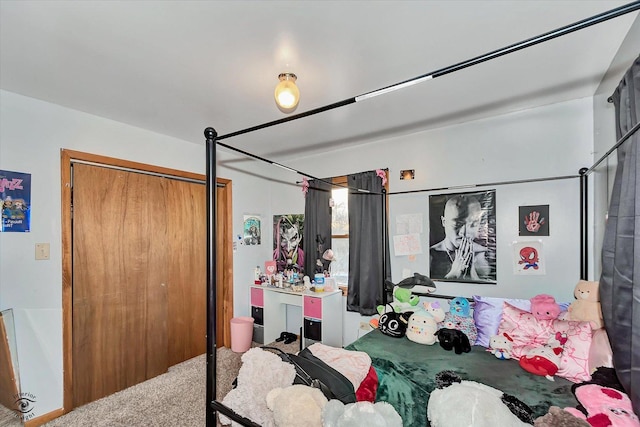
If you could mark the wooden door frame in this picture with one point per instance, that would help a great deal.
(225, 273)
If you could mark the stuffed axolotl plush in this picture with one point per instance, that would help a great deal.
(604, 406)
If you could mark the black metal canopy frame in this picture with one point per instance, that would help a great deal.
(212, 139)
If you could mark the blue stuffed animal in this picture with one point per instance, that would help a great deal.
(459, 317)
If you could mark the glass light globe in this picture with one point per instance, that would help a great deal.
(287, 94)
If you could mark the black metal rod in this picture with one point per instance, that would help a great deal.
(217, 406)
(290, 118)
(584, 231)
(384, 246)
(615, 147)
(210, 135)
(488, 184)
(567, 29)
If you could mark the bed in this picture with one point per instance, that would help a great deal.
(406, 375)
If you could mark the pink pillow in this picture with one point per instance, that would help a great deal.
(528, 332)
(600, 353)
(487, 314)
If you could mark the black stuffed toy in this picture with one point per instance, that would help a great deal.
(453, 339)
(394, 324)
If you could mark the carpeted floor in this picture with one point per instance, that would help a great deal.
(173, 399)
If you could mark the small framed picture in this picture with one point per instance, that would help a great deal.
(533, 220)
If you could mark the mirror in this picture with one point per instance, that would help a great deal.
(9, 373)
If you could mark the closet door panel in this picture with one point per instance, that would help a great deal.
(119, 268)
(187, 283)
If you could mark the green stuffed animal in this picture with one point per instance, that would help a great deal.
(403, 300)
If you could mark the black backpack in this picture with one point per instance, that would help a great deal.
(315, 373)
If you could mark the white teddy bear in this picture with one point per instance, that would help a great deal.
(380, 414)
(296, 405)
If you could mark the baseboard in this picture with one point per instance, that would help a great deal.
(38, 421)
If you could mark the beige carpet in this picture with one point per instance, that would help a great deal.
(174, 399)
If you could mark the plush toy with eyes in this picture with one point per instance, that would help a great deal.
(604, 406)
(394, 324)
(544, 307)
(459, 317)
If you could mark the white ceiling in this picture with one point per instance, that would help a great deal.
(176, 67)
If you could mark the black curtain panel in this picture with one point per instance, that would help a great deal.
(317, 225)
(368, 243)
(620, 280)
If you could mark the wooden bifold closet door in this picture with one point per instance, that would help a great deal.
(139, 274)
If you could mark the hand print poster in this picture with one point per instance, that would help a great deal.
(534, 220)
(288, 231)
(462, 237)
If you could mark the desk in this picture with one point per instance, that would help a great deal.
(321, 313)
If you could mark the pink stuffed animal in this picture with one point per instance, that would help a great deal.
(605, 407)
(544, 307)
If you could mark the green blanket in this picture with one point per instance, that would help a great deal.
(406, 375)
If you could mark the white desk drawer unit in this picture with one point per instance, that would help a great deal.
(321, 313)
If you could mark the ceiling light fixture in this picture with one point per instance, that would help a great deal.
(287, 94)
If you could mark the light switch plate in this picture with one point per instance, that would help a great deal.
(42, 251)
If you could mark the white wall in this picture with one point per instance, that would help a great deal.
(32, 133)
(549, 141)
(555, 140)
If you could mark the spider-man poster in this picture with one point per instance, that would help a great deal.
(528, 258)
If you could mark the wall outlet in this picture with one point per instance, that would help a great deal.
(365, 326)
(42, 251)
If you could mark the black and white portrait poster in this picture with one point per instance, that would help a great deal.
(462, 237)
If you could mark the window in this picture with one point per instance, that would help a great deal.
(340, 235)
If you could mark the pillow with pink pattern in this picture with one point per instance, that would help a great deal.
(527, 332)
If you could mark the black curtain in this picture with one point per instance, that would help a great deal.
(368, 243)
(317, 225)
(619, 284)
